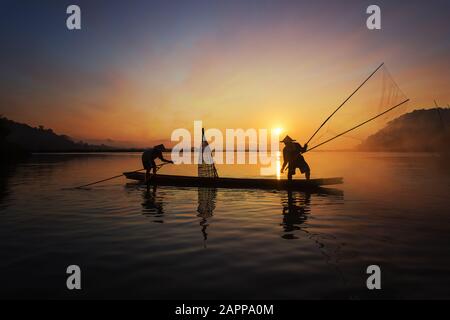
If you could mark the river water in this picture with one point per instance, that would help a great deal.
(188, 243)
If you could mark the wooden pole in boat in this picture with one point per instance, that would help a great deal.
(345, 101)
(96, 182)
(359, 125)
(159, 166)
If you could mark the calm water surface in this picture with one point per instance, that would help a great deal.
(186, 243)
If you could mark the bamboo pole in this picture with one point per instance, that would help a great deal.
(359, 125)
(345, 101)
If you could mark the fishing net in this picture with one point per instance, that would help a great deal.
(376, 102)
(206, 167)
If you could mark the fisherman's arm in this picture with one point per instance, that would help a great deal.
(160, 157)
(284, 166)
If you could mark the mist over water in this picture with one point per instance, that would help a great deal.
(392, 210)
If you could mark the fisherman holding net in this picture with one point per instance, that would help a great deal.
(292, 156)
(148, 160)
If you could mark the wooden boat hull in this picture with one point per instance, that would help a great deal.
(189, 181)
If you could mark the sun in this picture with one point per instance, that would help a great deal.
(278, 131)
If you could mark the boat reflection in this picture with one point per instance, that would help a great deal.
(153, 205)
(295, 205)
(296, 209)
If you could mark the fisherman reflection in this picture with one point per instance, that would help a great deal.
(296, 209)
(205, 209)
(152, 205)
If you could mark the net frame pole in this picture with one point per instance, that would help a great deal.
(212, 171)
(345, 101)
(359, 125)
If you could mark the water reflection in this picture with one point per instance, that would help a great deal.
(296, 208)
(6, 172)
(40, 220)
(205, 209)
(152, 205)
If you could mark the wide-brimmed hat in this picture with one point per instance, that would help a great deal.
(287, 139)
(160, 147)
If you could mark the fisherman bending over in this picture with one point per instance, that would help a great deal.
(292, 155)
(148, 159)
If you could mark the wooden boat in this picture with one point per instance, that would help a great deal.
(244, 183)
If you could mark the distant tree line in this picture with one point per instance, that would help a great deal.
(426, 130)
(10, 152)
(18, 141)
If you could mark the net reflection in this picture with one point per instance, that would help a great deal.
(296, 209)
(205, 209)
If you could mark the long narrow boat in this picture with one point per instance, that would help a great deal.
(190, 181)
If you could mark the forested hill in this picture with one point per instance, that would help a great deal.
(41, 139)
(420, 130)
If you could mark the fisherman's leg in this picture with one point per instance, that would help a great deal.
(147, 180)
(153, 165)
(146, 167)
(308, 174)
(147, 175)
(307, 171)
(291, 173)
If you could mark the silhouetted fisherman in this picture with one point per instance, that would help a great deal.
(148, 159)
(292, 156)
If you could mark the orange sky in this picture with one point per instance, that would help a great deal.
(289, 71)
